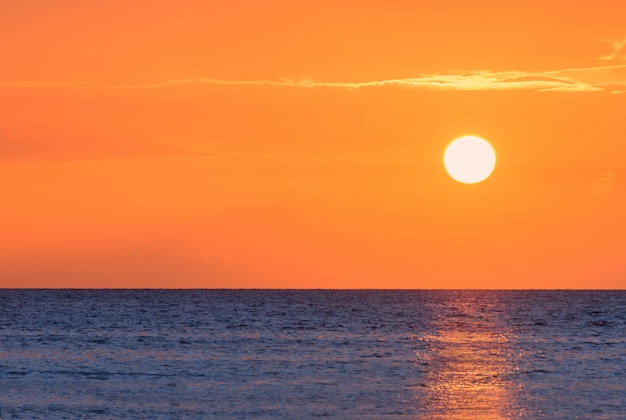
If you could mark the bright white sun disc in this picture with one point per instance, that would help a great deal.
(469, 159)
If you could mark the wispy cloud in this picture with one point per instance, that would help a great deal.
(608, 78)
(618, 45)
(591, 79)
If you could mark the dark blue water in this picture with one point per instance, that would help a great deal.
(293, 354)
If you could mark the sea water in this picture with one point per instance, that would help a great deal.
(166, 354)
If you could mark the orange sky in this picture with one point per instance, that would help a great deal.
(299, 144)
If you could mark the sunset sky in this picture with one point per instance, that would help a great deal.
(299, 144)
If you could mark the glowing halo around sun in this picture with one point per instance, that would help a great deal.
(469, 159)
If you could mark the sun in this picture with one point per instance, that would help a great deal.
(469, 159)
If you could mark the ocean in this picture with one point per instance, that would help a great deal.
(205, 354)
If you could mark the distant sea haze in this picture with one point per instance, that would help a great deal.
(165, 354)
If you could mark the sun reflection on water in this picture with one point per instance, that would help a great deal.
(468, 365)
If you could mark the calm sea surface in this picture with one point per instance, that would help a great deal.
(298, 354)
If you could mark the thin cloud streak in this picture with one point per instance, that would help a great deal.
(617, 45)
(587, 79)
(591, 79)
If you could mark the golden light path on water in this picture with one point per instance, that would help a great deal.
(471, 363)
